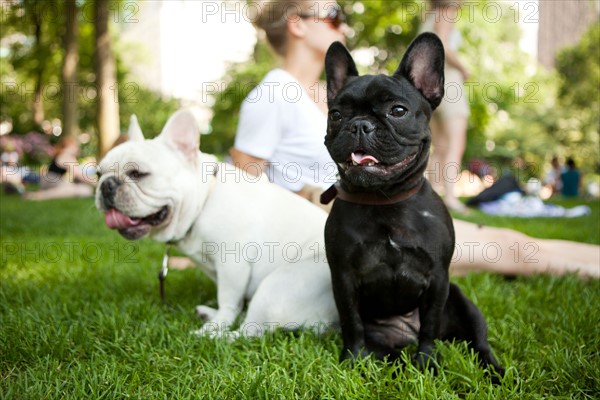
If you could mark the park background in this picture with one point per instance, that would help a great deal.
(533, 90)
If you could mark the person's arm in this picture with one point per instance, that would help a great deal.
(443, 28)
(247, 162)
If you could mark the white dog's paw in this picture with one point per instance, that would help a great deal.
(206, 333)
(206, 313)
(213, 330)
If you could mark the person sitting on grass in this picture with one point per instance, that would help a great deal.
(64, 177)
(570, 179)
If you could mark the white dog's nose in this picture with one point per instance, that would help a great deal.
(108, 188)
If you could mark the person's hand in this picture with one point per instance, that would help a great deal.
(465, 73)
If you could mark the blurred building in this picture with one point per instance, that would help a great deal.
(561, 24)
(141, 34)
(181, 48)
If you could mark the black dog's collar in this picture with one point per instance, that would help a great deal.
(367, 198)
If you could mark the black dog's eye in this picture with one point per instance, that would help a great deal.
(135, 174)
(335, 116)
(398, 111)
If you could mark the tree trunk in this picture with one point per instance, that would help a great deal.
(38, 99)
(106, 81)
(69, 70)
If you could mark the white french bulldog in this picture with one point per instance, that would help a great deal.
(259, 242)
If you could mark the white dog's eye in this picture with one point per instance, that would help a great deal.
(135, 174)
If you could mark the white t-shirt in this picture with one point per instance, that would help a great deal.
(280, 123)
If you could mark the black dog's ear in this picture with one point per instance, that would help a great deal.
(423, 66)
(339, 66)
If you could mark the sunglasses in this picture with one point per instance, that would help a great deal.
(334, 16)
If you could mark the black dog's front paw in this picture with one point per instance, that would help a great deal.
(492, 367)
(424, 361)
(352, 356)
(496, 375)
(495, 372)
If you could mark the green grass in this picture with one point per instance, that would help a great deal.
(81, 317)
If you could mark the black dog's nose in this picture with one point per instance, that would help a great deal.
(108, 190)
(362, 127)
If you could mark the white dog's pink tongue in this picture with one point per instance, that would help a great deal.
(115, 219)
(362, 158)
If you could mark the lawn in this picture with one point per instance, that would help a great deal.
(81, 317)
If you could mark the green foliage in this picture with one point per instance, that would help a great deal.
(577, 128)
(579, 67)
(493, 86)
(30, 60)
(151, 109)
(386, 26)
(557, 113)
(529, 111)
(26, 59)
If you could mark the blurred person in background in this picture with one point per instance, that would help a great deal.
(64, 177)
(570, 179)
(449, 121)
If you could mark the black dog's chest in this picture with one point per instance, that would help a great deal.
(391, 276)
(387, 253)
(389, 256)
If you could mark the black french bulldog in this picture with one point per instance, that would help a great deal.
(389, 238)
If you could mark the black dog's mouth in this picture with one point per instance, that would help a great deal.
(359, 160)
(134, 227)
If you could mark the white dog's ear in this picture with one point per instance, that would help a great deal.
(134, 132)
(181, 132)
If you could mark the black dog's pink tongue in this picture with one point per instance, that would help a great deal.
(361, 158)
(115, 219)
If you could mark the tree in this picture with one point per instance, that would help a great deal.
(31, 27)
(66, 57)
(38, 103)
(106, 81)
(69, 70)
(31, 69)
